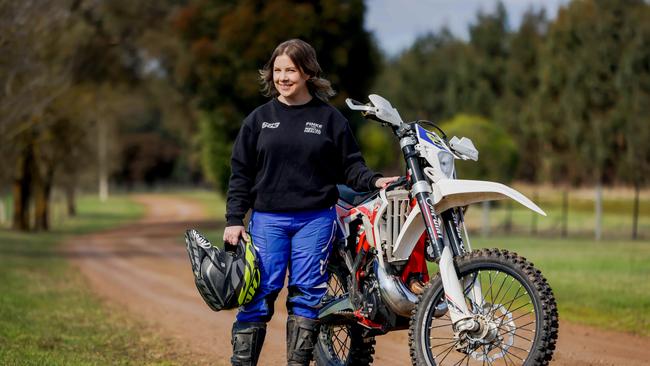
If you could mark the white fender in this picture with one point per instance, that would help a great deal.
(449, 193)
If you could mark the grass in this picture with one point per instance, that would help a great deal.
(47, 314)
(603, 284)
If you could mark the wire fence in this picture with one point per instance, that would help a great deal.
(570, 213)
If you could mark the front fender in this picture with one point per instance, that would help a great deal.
(448, 193)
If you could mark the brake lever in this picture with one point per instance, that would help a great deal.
(358, 106)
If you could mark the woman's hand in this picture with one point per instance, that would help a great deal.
(384, 182)
(232, 234)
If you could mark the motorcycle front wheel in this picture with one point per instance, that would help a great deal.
(507, 295)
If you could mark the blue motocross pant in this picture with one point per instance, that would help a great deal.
(300, 241)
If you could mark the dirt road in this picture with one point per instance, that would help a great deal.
(144, 268)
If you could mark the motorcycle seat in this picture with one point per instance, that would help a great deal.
(353, 197)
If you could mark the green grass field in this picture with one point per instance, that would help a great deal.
(47, 314)
(604, 284)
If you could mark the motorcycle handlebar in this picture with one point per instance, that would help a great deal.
(399, 182)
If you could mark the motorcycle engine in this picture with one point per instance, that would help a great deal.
(372, 305)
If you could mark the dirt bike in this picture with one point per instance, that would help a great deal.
(487, 306)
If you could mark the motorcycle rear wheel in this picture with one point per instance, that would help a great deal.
(344, 344)
(516, 300)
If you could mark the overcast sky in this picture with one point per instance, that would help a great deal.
(396, 23)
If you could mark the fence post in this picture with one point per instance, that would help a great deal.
(598, 224)
(565, 212)
(635, 220)
(3, 213)
(508, 222)
(533, 228)
(485, 232)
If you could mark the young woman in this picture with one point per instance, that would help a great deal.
(287, 159)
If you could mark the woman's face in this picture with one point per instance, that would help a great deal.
(289, 81)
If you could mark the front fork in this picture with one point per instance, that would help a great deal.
(461, 317)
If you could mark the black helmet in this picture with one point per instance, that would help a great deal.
(226, 279)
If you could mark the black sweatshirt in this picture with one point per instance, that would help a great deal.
(290, 158)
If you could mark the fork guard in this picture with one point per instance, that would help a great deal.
(448, 193)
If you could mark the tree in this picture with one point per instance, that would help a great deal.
(380, 147)
(497, 154)
(484, 82)
(33, 72)
(584, 52)
(633, 83)
(230, 41)
(66, 69)
(515, 110)
(423, 82)
(497, 150)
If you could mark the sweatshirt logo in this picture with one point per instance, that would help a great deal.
(270, 125)
(311, 127)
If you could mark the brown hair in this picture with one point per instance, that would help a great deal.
(303, 55)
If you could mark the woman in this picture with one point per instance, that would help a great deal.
(287, 159)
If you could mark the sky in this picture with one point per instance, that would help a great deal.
(397, 23)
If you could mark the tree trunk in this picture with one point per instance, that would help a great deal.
(39, 200)
(22, 189)
(635, 218)
(598, 225)
(102, 163)
(42, 194)
(40, 207)
(565, 213)
(70, 200)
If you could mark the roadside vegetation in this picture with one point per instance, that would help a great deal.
(48, 316)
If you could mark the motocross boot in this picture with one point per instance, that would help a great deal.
(247, 340)
(302, 334)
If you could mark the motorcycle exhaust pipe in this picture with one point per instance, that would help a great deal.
(393, 291)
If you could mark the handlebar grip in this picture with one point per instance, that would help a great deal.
(401, 181)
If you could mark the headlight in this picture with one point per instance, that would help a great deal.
(446, 161)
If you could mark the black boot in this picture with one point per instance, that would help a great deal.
(247, 340)
(302, 334)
